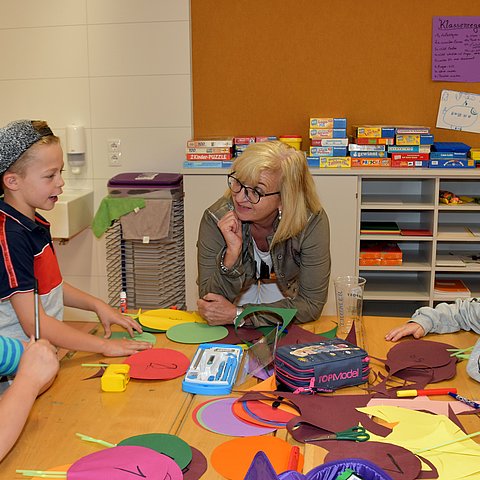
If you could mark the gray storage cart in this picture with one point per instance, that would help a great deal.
(150, 271)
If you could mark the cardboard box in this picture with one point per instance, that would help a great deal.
(371, 162)
(328, 133)
(452, 163)
(328, 151)
(327, 122)
(335, 162)
(410, 163)
(375, 131)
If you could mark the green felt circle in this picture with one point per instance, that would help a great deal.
(196, 333)
(141, 337)
(171, 445)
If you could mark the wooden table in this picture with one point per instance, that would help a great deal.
(74, 404)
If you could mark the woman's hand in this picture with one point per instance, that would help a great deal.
(410, 328)
(231, 228)
(216, 309)
(109, 316)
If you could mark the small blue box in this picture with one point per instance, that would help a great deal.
(452, 163)
(213, 370)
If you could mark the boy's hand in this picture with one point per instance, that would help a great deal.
(410, 328)
(109, 316)
(124, 347)
(39, 363)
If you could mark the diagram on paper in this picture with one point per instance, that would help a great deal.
(459, 111)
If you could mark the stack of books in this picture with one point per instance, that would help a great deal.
(214, 152)
(328, 143)
(450, 155)
(380, 254)
(451, 288)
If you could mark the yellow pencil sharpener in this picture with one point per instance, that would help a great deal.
(115, 377)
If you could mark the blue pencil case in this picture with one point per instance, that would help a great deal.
(323, 366)
(213, 370)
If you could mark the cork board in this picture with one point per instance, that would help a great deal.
(265, 67)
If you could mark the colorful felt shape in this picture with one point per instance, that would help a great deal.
(164, 318)
(240, 335)
(398, 462)
(295, 335)
(430, 435)
(197, 467)
(157, 364)
(240, 410)
(123, 463)
(196, 333)
(171, 445)
(60, 468)
(268, 412)
(232, 459)
(322, 414)
(216, 416)
(140, 337)
(418, 362)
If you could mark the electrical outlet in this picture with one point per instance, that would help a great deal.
(113, 144)
(115, 159)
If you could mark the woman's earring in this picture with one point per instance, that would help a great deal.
(279, 214)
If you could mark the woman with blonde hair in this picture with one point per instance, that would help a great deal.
(266, 241)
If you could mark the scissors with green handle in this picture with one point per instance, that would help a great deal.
(354, 434)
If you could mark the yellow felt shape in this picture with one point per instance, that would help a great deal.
(164, 318)
(417, 431)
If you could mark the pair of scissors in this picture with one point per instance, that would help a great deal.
(354, 434)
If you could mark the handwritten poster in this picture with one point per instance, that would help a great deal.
(456, 49)
(459, 111)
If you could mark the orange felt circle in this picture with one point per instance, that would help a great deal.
(61, 468)
(233, 458)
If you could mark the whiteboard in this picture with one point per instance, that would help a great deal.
(459, 111)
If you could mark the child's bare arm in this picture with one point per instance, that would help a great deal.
(62, 335)
(37, 369)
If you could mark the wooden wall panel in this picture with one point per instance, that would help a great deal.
(265, 66)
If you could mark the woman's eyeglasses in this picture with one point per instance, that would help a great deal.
(252, 194)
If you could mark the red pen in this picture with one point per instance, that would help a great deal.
(293, 459)
(428, 391)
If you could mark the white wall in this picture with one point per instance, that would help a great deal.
(122, 69)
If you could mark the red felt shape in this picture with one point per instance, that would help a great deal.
(157, 364)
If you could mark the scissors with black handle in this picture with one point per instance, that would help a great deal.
(354, 434)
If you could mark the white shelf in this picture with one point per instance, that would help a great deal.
(399, 289)
(414, 196)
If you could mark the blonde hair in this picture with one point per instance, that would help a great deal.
(21, 164)
(297, 189)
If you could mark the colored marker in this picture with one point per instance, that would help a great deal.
(430, 391)
(293, 458)
(464, 400)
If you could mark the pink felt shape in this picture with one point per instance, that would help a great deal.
(157, 364)
(125, 463)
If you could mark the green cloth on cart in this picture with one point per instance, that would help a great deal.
(111, 209)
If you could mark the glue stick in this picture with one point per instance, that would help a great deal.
(123, 302)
